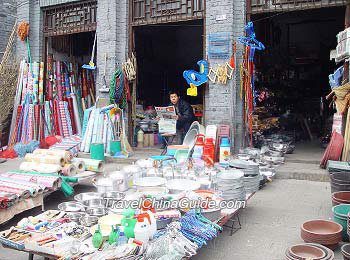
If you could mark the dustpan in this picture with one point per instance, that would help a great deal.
(91, 65)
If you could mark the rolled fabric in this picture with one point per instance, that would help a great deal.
(34, 191)
(69, 169)
(45, 158)
(24, 183)
(19, 192)
(68, 156)
(76, 114)
(51, 182)
(80, 165)
(91, 165)
(40, 167)
(71, 113)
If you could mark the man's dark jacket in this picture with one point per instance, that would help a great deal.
(186, 115)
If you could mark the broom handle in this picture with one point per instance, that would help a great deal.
(93, 49)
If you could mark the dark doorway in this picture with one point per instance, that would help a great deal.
(163, 53)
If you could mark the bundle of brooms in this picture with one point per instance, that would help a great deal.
(8, 83)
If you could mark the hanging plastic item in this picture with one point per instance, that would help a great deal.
(251, 40)
(195, 79)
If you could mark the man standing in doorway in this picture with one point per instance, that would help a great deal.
(184, 114)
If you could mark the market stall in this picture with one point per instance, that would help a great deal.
(159, 207)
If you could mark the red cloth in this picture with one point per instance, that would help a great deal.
(9, 154)
(71, 113)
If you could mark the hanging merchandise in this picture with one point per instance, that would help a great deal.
(119, 92)
(195, 79)
(247, 76)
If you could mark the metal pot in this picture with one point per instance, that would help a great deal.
(119, 181)
(103, 185)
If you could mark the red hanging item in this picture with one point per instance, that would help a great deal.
(71, 113)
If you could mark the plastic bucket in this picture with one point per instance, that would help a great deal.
(97, 151)
(340, 181)
(340, 215)
(115, 147)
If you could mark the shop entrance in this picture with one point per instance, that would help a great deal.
(163, 52)
(294, 69)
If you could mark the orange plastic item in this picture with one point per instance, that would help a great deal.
(141, 217)
(147, 205)
(209, 151)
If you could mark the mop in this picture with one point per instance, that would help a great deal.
(91, 65)
(104, 88)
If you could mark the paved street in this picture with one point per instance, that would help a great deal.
(270, 223)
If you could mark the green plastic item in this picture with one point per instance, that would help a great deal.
(129, 222)
(115, 146)
(340, 213)
(201, 217)
(97, 238)
(114, 235)
(97, 151)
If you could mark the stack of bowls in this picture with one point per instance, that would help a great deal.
(340, 181)
(323, 232)
(340, 197)
(345, 250)
(309, 251)
(231, 185)
(340, 215)
(251, 174)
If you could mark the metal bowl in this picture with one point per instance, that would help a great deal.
(96, 211)
(71, 207)
(112, 196)
(87, 196)
(75, 216)
(179, 185)
(95, 203)
(88, 221)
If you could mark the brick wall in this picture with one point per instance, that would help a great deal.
(29, 11)
(222, 102)
(7, 20)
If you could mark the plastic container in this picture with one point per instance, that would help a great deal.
(97, 151)
(209, 151)
(150, 211)
(140, 137)
(115, 147)
(340, 215)
(122, 239)
(225, 151)
(198, 147)
(142, 228)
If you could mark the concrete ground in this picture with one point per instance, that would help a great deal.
(271, 221)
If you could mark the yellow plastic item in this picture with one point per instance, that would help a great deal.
(192, 90)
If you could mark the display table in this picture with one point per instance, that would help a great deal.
(21, 206)
(230, 216)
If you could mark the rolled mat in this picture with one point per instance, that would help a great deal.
(71, 113)
(97, 151)
(69, 170)
(76, 114)
(80, 165)
(40, 167)
(68, 156)
(91, 165)
(51, 182)
(39, 187)
(44, 158)
(33, 191)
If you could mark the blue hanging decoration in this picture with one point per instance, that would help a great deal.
(195, 79)
(251, 40)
